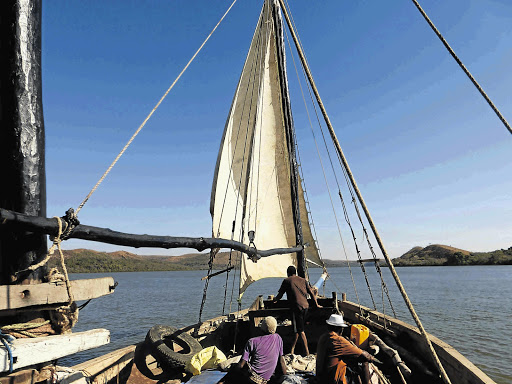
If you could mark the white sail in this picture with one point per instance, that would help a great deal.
(252, 184)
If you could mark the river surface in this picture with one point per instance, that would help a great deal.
(470, 308)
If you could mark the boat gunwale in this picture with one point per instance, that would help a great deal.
(451, 358)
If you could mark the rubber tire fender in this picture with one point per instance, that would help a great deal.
(156, 339)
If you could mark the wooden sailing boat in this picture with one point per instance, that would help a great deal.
(258, 204)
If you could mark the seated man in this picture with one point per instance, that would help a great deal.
(260, 357)
(335, 351)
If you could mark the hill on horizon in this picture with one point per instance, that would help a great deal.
(437, 254)
(90, 261)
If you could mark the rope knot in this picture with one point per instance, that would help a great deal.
(72, 221)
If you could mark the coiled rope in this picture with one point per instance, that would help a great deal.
(56, 244)
(23, 328)
(65, 315)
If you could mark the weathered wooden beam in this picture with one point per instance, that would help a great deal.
(217, 273)
(393, 354)
(28, 352)
(27, 376)
(372, 260)
(13, 220)
(20, 296)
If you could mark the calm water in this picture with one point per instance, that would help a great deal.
(467, 307)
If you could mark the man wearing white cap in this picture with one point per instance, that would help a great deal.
(334, 351)
(260, 357)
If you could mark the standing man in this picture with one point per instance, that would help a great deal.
(335, 352)
(297, 290)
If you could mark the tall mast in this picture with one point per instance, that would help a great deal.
(290, 138)
(21, 134)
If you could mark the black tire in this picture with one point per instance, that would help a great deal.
(158, 337)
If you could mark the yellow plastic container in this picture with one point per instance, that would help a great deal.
(359, 334)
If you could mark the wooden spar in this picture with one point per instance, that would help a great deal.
(334, 138)
(217, 273)
(22, 134)
(28, 352)
(18, 221)
(393, 354)
(371, 260)
(21, 296)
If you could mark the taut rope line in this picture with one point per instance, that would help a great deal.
(152, 111)
(466, 71)
(361, 200)
(326, 182)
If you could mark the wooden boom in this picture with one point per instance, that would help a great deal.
(19, 221)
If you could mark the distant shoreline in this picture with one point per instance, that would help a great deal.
(315, 267)
(90, 261)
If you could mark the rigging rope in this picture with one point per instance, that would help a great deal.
(56, 244)
(261, 61)
(213, 253)
(253, 75)
(383, 284)
(326, 183)
(363, 204)
(246, 159)
(333, 170)
(152, 111)
(237, 262)
(308, 206)
(462, 66)
(237, 137)
(256, 73)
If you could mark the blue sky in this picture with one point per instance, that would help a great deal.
(431, 159)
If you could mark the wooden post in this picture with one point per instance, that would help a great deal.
(21, 134)
(261, 305)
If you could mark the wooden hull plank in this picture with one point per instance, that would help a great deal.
(27, 376)
(458, 367)
(20, 296)
(104, 368)
(28, 352)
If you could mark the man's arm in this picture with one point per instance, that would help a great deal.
(365, 356)
(282, 291)
(283, 364)
(241, 364)
(312, 294)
